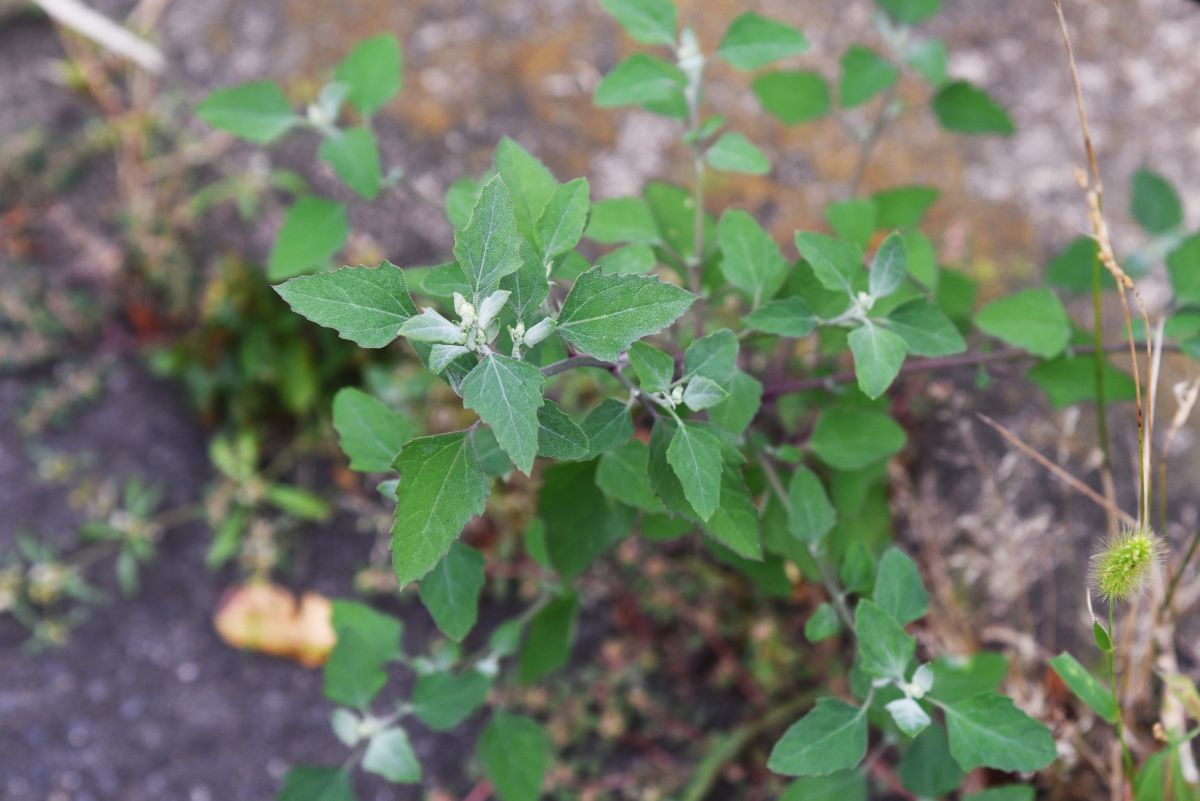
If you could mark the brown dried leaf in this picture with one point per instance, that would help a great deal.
(266, 617)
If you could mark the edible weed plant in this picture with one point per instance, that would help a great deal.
(679, 380)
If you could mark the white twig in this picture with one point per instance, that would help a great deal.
(108, 34)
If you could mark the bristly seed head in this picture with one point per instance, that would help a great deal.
(1123, 566)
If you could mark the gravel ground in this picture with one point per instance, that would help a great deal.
(144, 702)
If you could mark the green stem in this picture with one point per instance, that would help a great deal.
(571, 362)
(724, 748)
(1126, 755)
(1098, 364)
(836, 594)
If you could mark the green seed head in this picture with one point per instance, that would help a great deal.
(1123, 566)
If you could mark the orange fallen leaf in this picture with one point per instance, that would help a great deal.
(266, 617)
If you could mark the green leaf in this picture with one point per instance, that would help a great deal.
(958, 677)
(441, 488)
(607, 426)
(889, 267)
(604, 314)
(733, 152)
(849, 438)
(864, 74)
(899, 590)
(735, 523)
(530, 185)
(443, 700)
(848, 785)
(627, 259)
(793, 96)
(787, 317)
(506, 393)
(811, 516)
(623, 476)
(370, 432)
(559, 437)
(647, 21)
(830, 738)
(431, 327)
(903, 206)
(745, 398)
(1085, 686)
(1068, 380)
(380, 633)
(372, 73)
(390, 755)
(313, 783)
(926, 330)
(515, 753)
(1183, 265)
(853, 219)
(460, 198)
(674, 211)
(1072, 267)
(713, 356)
(354, 157)
(548, 639)
(1034, 320)
(313, 230)
(695, 456)
(256, 111)
(857, 570)
(754, 41)
(702, 393)
(1154, 203)
(654, 369)
(297, 502)
(450, 592)
(441, 281)
(581, 523)
(908, 715)
(926, 769)
(352, 677)
(989, 731)
(884, 650)
(965, 108)
(640, 80)
(922, 259)
(910, 12)
(345, 725)
(928, 58)
(623, 220)
(1010, 792)
(822, 624)
(528, 286)
(834, 262)
(878, 356)
(562, 221)
(489, 247)
(750, 259)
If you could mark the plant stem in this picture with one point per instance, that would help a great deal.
(832, 588)
(1098, 365)
(794, 385)
(571, 362)
(724, 748)
(868, 143)
(1111, 653)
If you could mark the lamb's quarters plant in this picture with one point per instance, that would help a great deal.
(713, 404)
